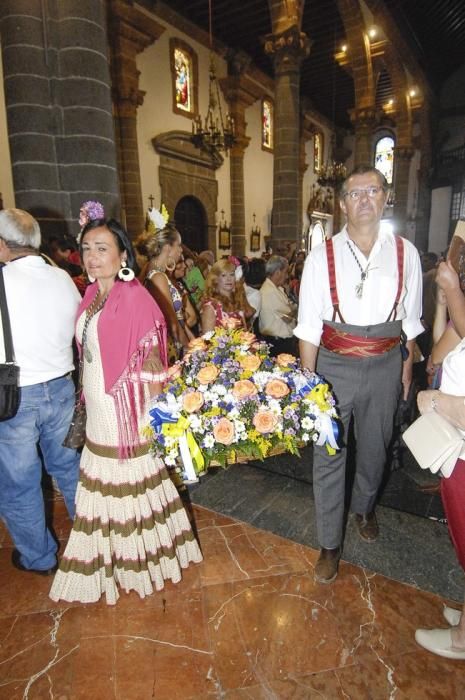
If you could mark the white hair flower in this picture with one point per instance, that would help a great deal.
(159, 217)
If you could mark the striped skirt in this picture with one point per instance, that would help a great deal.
(130, 531)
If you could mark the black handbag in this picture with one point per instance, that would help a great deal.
(10, 392)
(76, 435)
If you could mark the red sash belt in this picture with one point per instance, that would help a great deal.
(355, 345)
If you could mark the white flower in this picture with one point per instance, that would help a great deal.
(188, 380)
(315, 437)
(203, 388)
(169, 442)
(239, 426)
(307, 423)
(305, 437)
(159, 218)
(229, 398)
(170, 458)
(234, 412)
(208, 335)
(274, 406)
(195, 422)
(219, 389)
(209, 441)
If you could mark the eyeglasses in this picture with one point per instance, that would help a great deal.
(370, 192)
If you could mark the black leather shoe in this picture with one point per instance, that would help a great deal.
(367, 526)
(16, 561)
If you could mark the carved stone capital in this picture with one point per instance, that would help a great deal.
(127, 99)
(287, 49)
(126, 21)
(240, 145)
(364, 117)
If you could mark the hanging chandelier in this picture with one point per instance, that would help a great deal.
(332, 174)
(214, 133)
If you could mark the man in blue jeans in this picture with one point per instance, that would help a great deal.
(42, 302)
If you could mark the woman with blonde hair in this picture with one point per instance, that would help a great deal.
(164, 250)
(224, 297)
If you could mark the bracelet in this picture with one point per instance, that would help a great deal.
(434, 403)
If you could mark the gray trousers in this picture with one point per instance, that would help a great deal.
(367, 388)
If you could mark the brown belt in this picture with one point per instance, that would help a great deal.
(354, 345)
(111, 452)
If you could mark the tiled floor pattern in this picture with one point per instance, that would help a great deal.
(247, 623)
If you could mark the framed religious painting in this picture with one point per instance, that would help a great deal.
(318, 146)
(184, 71)
(267, 124)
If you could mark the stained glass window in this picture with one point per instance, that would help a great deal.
(267, 125)
(384, 157)
(317, 152)
(182, 64)
(184, 77)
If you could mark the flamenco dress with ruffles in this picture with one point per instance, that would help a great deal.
(131, 530)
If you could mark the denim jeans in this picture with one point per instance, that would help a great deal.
(43, 420)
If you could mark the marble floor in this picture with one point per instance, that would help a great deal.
(247, 623)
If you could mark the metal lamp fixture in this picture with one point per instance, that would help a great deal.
(215, 133)
(334, 172)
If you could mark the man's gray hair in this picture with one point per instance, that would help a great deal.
(275, 263)
(19, 228)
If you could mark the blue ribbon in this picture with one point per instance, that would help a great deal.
(160, 416)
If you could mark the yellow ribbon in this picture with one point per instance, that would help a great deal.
(177, 430)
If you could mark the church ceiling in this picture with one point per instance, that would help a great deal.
(434, 29)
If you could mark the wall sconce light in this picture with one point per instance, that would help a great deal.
(224, 233)
(372, 32)
(255, 236)
(344, 48)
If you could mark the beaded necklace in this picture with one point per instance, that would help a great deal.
(92, 310)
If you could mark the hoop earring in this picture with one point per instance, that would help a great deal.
(170, 266)
(125, 273)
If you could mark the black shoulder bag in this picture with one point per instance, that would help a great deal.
(9, 372)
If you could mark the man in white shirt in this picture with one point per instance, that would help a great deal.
(360, 296)
(42, 303)
(277, 317)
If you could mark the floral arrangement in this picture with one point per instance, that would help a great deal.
(228, 397)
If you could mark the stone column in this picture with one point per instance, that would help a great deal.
(240, 93)
(131, 32)
(402, 159)
(287, 50)
(364, 121)
(59, 111)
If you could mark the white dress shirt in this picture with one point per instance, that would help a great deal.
(379, 288)
(42, 303)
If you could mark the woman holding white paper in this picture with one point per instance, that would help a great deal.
(449, 402)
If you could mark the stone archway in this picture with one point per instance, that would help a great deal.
(185, 171)
(190, 220)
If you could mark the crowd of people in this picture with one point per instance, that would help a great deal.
(352, 309)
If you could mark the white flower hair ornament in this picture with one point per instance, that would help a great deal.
(159, 217)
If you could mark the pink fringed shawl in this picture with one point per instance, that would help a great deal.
(126, 326)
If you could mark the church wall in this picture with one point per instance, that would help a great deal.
(6, 176)
(155, 116)
(258, 180)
